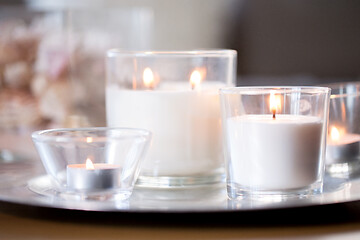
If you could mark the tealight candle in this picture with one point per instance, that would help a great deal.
(93, 176)
(342, 147)
(343, 142)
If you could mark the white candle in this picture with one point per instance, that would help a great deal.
(89, 176)
(185, 124)
(342, 147)
(274, 154)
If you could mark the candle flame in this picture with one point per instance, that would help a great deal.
(89, 140)
(275, 103)
(334, 134)
(148, 78)
(89, 164)
(195, 79)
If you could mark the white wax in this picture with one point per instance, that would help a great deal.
(102, 177)
(185, 124)
(274, 154)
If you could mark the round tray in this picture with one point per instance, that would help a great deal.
(26, 184)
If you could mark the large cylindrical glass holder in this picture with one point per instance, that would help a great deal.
(175, 96)
(343, 145)
(274, 140)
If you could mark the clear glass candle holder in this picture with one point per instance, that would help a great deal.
(175, 96)
(98, 163)
(343, 145)
(274, 140)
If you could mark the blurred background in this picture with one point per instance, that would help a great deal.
(52, 52)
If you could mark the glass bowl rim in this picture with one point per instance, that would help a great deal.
(258, 90)
(114, 52)
(43, 135)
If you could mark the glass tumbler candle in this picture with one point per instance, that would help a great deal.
(274, 140)
(175, 96)
(343, 145)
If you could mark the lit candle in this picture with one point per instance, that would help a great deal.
(275, 104)
(148, 78)
(195, 79)
(274, 151)
(184, 119)
(93, 176)
(342, 147)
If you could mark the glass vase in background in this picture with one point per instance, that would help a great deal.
(52, 70)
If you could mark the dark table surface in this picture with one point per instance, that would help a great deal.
(335, 221)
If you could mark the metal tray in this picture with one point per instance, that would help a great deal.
(24, 182)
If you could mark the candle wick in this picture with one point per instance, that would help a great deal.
(274, 112)
(192, 86)
(151, 86)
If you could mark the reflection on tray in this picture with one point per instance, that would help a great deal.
(204, 199)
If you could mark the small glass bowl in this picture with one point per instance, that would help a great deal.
(92, 163)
